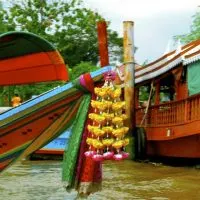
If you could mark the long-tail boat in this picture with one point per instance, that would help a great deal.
(26, 58)
(33, 124)
(53, 150)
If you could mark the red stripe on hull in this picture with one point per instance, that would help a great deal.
(50, 151)
(173, 131)
(181, 140)
(185, 147)
(37, 114)
(28, 132)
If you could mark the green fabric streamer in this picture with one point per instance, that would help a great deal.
(71, 152)
(193, 78)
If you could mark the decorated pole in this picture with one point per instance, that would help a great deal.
(106, 132)
(129, 80)
(103, 43)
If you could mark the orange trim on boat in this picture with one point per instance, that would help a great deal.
(37, 67)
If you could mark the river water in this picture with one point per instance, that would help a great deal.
(41, 180)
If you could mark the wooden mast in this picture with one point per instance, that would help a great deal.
(103, 43)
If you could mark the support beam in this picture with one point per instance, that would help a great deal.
(157, 94)
(137, 103)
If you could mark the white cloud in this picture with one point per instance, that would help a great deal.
(156, 21)
(140, 8)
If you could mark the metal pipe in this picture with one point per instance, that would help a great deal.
(103, 43)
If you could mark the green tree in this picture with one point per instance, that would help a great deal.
(65, 23)
(82, 68)
(3, 27)
(194, 32)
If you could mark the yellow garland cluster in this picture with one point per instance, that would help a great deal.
(108, 130)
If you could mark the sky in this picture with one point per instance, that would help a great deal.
(156, 22)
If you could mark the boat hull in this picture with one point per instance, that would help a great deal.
(54, 150)
(180, 140)
(47, 154)
(183, 147)
(29, 133)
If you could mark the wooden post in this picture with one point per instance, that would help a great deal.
(129, 80)
(103, 43)
(137, 103)
(157, 95)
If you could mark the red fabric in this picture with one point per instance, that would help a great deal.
(91, 171)
(89, 82)
(82, 150)
(88, 171)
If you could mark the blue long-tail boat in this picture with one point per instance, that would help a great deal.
(53, 150)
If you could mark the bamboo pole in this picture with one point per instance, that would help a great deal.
(129, 82)
(129, 72)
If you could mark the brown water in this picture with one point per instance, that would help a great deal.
(125, 180)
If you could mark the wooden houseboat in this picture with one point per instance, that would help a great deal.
(169, 123)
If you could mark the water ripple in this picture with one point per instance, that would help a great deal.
(121, 180)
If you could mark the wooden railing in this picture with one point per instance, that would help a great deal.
(175, 112)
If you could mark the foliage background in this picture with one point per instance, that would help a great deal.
(68, 25)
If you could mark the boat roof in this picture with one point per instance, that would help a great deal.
(28, 58)
(184, 55)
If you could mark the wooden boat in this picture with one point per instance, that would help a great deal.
(35, 123)
(24, 129)
(54, 150)
(170, 127)
(24, 59)
(30, 126)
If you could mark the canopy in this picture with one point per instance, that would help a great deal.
(193, 79)
(27, 58)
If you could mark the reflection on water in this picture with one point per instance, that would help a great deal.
(125, 180)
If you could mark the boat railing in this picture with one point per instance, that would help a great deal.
(170, 113)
